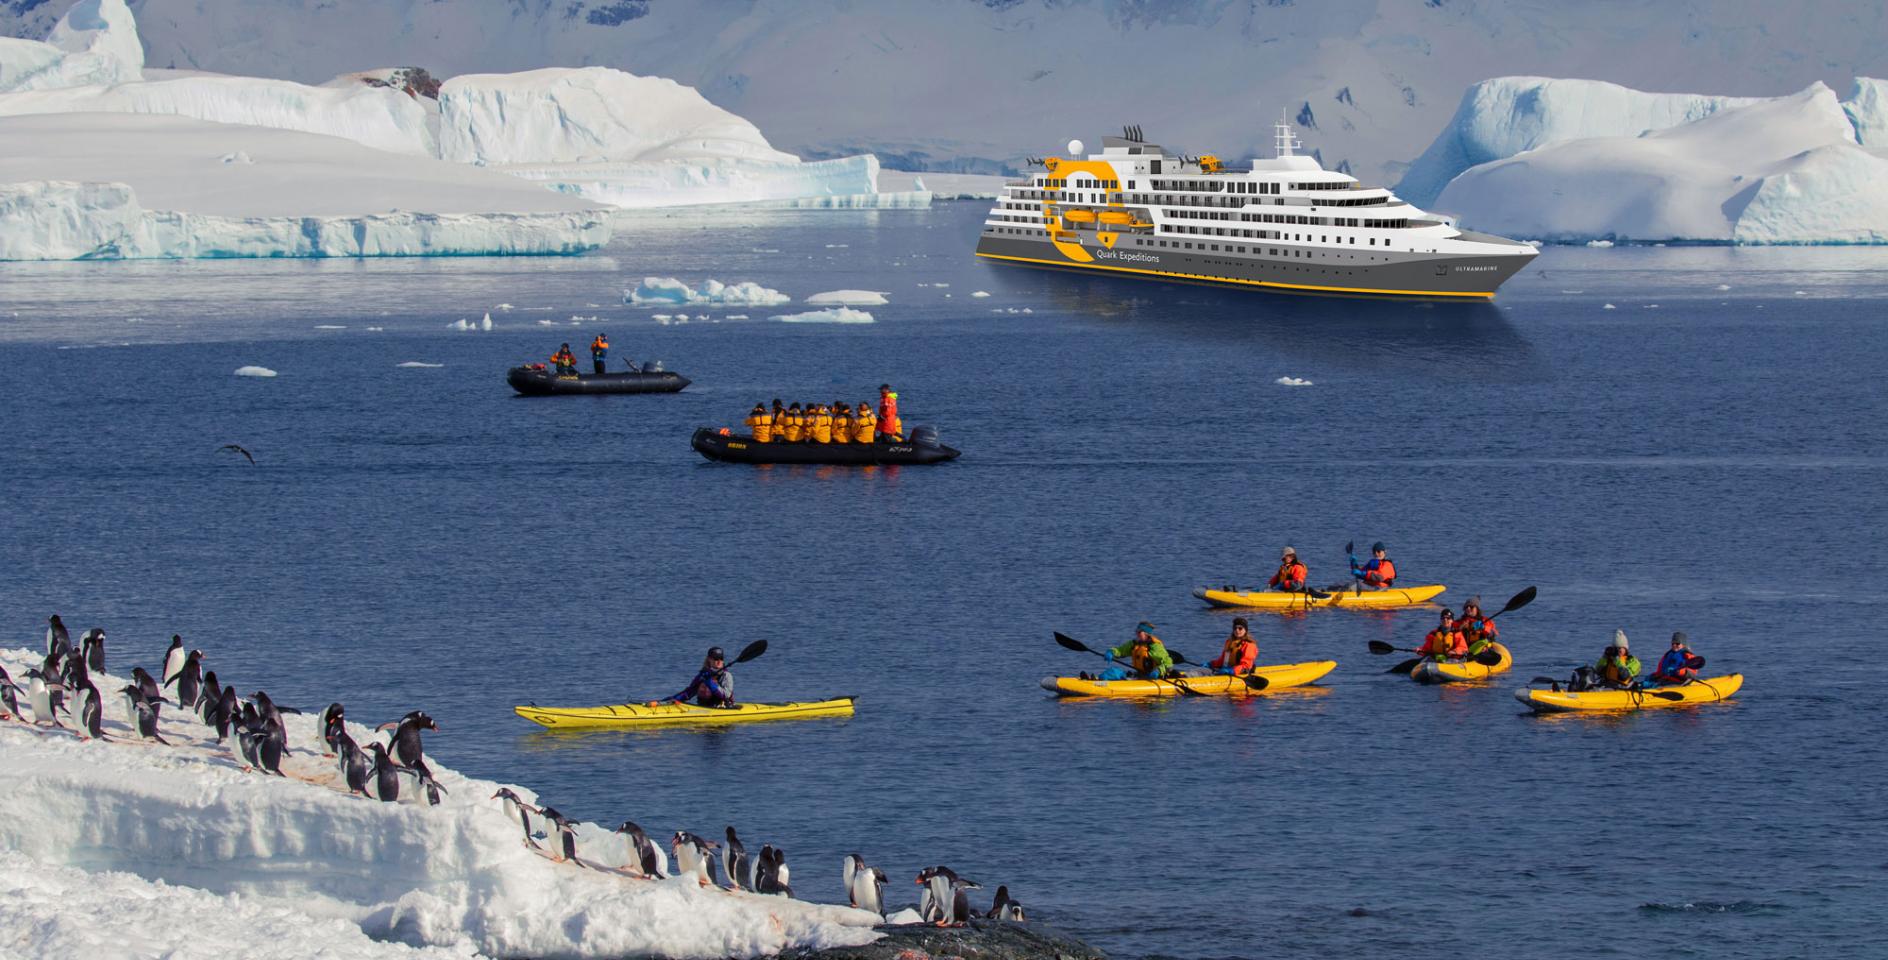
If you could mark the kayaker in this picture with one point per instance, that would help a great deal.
(864, 424)
(599, 352)
(822, 425)
(1479, 630)
(1291, 574)
(1239, 653)
(796, 425)
(1679, 665)
(842, 422)
(1143, 657)
(1617, 666)
(889, 429)
(1445, 642)
(712, 687)
(761, 424)
(1377, 573)
(565, 360)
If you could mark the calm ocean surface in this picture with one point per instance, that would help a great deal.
(1708, 454)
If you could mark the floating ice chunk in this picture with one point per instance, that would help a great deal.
(850, 298)
(1724, 286)
(376, 329)
(834, 315)
(1292, 382)
(668, 291)
(486, 324)
(417, 365)
(459, 324)
(547, 323)
(254, 372)
(1599, 243)
(836, 246)
(765, 250)
(1802, 293)
(1028, 310)
(736, 316)
(503, 306)
(330, 326)
(1609, 307)
(981, 294)
(659, 316)
(940, 285)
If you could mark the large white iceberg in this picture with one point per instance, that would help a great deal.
(96, 42)
(297, 853)
(668, 291)
(1784, 170)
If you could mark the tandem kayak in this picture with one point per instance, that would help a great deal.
(1703, 690)
(1281, 676)
(668, 714)
(1462, 671)
(1279, 600)
(921, 449)
(535, 382)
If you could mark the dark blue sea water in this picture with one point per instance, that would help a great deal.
(1708, 453)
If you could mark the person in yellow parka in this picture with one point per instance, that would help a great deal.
(761, 424)
(842, 424)
(864, 424)
(822, 424)
(796, 424)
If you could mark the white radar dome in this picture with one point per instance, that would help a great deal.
(1075, 148)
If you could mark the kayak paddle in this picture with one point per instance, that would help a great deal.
(753, 651)
(1404, 667)
(1070, 643)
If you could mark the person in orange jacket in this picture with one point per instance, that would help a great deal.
(842, 423)
(1477, 628)
(600, 352)
(1291, 574)
(761, 424)
(1445, 642)
(1239, 653)
(864, 424)
(796, 425)
(565, 360)
(820, 425)
(889, 429)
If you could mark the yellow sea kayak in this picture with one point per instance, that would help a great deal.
(1465, 671)
(643, 715)
(1703, 690)
(1276, 600)
(1281, 676)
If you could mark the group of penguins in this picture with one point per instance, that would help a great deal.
(64, 679)
(943, 900)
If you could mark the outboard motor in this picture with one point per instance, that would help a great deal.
(925, 436)
(653, 366)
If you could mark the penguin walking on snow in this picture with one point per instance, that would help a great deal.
(92, 648)
(209, 697)
(144, 713)
(693, 856)
(736, 865)
(518, 810)
(385, 775)
(52, 670)
(91, 711)
(189, 679)
(405, 743)
(57, 639)
(39, 696)
(263, 749)
(333, 725)
(353, 764)
(226, 713)
(173, 659)
(9, 696)
(642, 853)
(147, 685)
(566, 833)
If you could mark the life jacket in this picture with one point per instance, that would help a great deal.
(1384, 572)
(1678, 665)
(1290, 574)
(822, 426)
(1480, 628)
(842, 426)
(888, 408)
(863, 426)
(1238, 654)
(1442, 644)
(763, 425)
(564, 358)
(796, 427)
(599, 347)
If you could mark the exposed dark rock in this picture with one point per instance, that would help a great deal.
(412, 81)
(981, 940)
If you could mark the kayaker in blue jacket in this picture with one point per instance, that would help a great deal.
(712, 687)
(1679, 665)
(1377, 573)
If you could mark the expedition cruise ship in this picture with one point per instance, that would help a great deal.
(1286, 223)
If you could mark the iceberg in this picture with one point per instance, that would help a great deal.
(849, 298)
(829, 315)
(1782, 170)
(668, 291)
(95, 42)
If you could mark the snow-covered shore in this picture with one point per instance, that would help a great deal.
(295, 861)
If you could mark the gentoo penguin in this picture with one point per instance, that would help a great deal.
(424, 784)
(145, 714)
(406, 735)
(566, 832)
(211, 695)
(332, 724)
(52, 671)
(75, 675)
(518, 810)
(91, 711)
(850, 871)
(57, 639)
(263, 748)
(189, 679)
(92, 648)
(227, 711)
(271, 715)
(1004, 908)
(9, 696)
(770, 875)
(173, 659)
(386, 775)
(39, 695)
(643, 854)
(944, 901)
(146, 685)
(693, 856)
(736, 865)
(353, 763)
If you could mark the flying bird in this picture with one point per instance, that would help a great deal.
(237, 449)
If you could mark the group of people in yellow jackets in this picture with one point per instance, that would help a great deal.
(818, 423)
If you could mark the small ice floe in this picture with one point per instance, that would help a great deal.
(940, 285)
(837, 246)
(239, 156)
(462, 324)
(503, 306)
(833, 315)
(848, 298)
(330, 326)
(547, 323)
(486, 324)
(736, 316)
(134, 319)
(1609, 307)
(664, 316)
(1292, 382)
(923, 284)
(903, 918)
(416, 365)
(1724, 286)
(980, 294)
(1573, 292)
(947, 296)
(375, 329)
(1028, 310)
(670, 292)
(1802, 293)
(1599, 243)
(765, 250)
(580, 318)
(1651, 306)
(254, 372)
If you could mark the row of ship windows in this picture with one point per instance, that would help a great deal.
(1217, 232)
(1057, 183)
(1230, 247)
(1183, 213)
(1162, 198)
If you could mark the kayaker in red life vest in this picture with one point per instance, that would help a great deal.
(889, 429)
(1478, 629)
(1445, 642)
(1291, 574)
(1239, 653)
(712, 687)
(1377, 573)
(1679, 665)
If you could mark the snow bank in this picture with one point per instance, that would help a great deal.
(850, 298)
(254, 372)
(1509, 115)
(668, 291)
(298, 855)
(95, 42)
(100, 27)
(833, 315)
(842, 183)
(1784, 170)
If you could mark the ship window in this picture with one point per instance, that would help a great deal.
(1373, 241)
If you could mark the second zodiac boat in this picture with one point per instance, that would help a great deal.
(922, 448)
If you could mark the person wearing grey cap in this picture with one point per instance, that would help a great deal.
(1291, 575)
(1679, 665)
(1617, 666)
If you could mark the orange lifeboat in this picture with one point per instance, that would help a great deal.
(1117, 217)
(1079, 216)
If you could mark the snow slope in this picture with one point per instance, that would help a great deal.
(100, 185)
(1786, 170)
(96, 42)
(974, 86)
(298, 860)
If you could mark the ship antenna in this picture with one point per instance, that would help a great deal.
(1282, 137)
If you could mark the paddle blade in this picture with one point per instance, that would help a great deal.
(1519, 600)
(1070, 643)
(1665, 694)
(1488, 658)
(1316, 594)
(1379, 647)
(1543, 680)
(1257, 683)
(1179, 657)
(753, 650)
(1405, 667)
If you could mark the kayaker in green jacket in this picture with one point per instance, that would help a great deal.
(1617, 666)
(1143, 657)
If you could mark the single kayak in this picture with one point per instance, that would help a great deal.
(1279, 600)
(666, 714)
(1703, 690)
(1282, 676)
(1462, 671)
(921, 449)
(536, 382)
